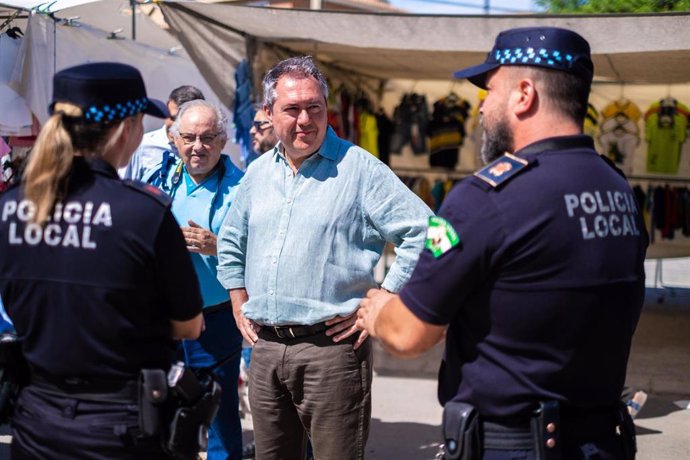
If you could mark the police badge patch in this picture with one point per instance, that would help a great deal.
(441, 237)
(501, 169)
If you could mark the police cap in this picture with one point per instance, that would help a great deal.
(105, 91)
(547, 47)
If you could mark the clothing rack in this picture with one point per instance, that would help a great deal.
(446, 173)
(659, 179)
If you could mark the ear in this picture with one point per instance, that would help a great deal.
(268, 111)
(524, 97)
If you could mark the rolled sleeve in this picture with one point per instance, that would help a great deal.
(401, 217)
(232, 242)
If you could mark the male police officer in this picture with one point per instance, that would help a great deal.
(536, 265)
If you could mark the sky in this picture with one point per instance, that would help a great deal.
(464, 6)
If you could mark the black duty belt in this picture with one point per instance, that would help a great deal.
(297, 331)
(100, 390)
(519, 434)
(500, 436)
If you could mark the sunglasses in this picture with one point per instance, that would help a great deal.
(261, 125)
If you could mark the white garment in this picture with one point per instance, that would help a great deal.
(149, 154)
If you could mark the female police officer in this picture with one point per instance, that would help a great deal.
(94, 273)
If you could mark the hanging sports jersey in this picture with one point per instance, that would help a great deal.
(619, 134)
(447, 130)
(666, 123)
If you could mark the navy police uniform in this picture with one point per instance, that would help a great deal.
(542, 287)
(91, 293)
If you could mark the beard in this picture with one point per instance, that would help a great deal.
(496, 141)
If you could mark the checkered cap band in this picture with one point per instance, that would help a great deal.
(532, 56)
(117, 111)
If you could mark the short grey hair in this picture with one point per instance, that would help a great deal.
(301, 66)
(221, 118)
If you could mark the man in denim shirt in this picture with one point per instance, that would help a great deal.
(297, 252)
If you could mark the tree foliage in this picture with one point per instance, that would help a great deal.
(613, 6)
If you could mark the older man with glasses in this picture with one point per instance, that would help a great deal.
(158, 145)
(202, 183)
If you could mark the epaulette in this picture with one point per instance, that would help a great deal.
(149, 190)
(501, 170)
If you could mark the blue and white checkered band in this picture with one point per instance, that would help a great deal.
(117, 111)
(542, 56)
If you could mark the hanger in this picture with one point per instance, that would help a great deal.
(14, 32)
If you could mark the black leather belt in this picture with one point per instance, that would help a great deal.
(297, 331)
(100, 390)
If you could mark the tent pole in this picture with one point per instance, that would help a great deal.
(133, 4)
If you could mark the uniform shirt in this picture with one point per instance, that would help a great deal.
(149, 154)
(205, 203)
(545, 288)
(93, 291)
(304, 246)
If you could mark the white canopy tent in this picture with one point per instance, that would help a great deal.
(640, 57)
(626, 48)
(50, 45)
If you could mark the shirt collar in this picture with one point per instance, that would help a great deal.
(328, 149)
(579, 141)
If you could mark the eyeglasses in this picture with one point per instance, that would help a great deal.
(205, 139)
(260, 125)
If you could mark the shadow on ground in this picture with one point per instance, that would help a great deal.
(657, 406)
(402, 440)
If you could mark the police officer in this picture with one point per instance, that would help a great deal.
(534, 265)
(94, 273)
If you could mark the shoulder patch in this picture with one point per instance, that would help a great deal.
(441, 237)
(149, 190)
(501, 170)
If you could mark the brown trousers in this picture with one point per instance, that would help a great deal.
(310, 386)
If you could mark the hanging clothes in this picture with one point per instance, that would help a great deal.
(411, 118)
(385, 126)
(591, 123)
(243, 112)
(447, 130)
(666, 124)
(619, 134)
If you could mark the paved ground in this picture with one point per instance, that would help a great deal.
(406, 423)
(406, 416)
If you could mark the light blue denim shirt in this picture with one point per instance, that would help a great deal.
(304, 246)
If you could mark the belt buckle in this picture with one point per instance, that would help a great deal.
(292, 333)
(278, 331)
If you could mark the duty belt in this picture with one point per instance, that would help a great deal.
(99, 390)
(297, 331)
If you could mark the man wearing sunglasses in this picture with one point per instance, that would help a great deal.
(155, 144)
(263, 135)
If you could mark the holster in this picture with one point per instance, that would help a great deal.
(14, 374)
(196, 398)
(626, 427)
(153, 393)
(546, 431)
(461, 431)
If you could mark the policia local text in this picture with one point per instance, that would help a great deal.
(55, 233)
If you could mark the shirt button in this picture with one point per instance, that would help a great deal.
(274, 260)
(270, 292)
(289, 200)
